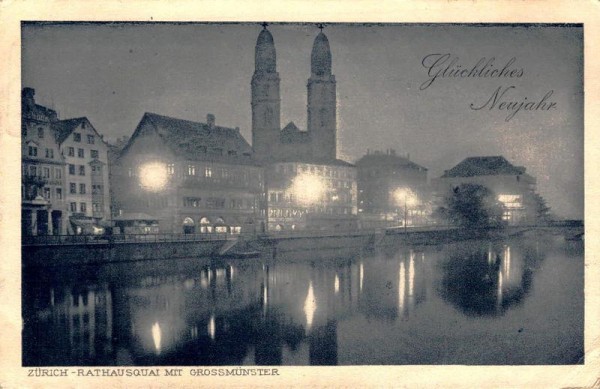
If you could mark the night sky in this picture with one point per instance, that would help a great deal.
(114, 73)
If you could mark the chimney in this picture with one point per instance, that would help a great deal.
(237, 129)
(27, 97)
(210, 120)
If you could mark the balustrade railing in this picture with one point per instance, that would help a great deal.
(199, 237)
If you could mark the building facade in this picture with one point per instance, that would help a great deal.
(43, 197)
(307, 186)
(192, 177)
(392, 190)
(65, 172)
(87, 195)
(311, 196)
(514, 188)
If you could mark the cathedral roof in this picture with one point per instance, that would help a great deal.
(320, 58)
(198, 141)
(292, 134)
(484, 166)
(265, 57)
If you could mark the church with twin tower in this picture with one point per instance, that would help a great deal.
(308, 187)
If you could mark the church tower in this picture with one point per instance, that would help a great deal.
(266, 102)
(322, 101)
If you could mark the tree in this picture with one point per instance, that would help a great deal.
(471, 206)
(542, 211)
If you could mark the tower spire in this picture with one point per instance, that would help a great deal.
(321, 95)
(266, 119)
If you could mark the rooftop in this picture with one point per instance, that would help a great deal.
(484, 166)
(387, 159)
(199, 141)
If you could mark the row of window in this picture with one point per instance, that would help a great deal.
(326, 171)
(218, 203)
(56, 173)
(73, 188)
(214, 173)
(32, 151)
(45, 172)
(296, 213)
(72, 170)
(58, 195)
(96, 207)
(82, 207)
(97, 189)
(81, 153)
(341, 197)
(91, 139)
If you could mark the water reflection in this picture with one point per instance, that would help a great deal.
(486, 279)
(379, 308)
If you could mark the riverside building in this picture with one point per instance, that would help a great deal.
(392, 190)
(191, 177)
(514, 188)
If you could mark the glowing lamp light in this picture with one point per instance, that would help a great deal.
(405, 196)
(308, 188)
(156, 336)
(153, 176)
(211, 327)
(310, 306)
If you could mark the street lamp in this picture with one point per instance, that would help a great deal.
(153, 176)
(308, 189)
(407, 197)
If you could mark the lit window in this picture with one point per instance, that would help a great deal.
(191, 170)
(171, 168)
(207, 172)
(511, 200)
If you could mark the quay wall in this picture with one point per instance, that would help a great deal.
(117, 252)
(313, 247)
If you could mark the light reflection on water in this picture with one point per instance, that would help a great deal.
(475, 302)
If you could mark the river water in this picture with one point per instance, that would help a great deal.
(516, 301)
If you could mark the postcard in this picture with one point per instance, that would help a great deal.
(318, 195)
